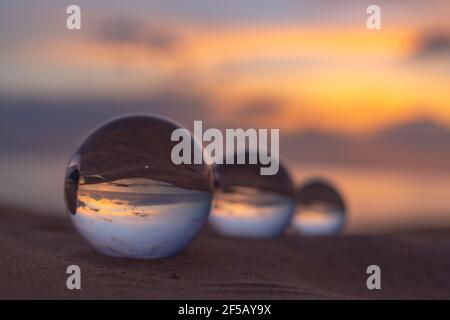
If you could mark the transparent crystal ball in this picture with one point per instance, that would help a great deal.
(250, 205)
(321, 210)
(127, 198)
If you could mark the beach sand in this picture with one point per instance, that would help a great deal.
(36, 250)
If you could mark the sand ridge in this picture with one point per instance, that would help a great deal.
(36, 250)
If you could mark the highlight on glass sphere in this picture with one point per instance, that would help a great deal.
(320, 209)
(127, 198)
(248, 204)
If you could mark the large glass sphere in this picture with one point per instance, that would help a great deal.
(250, 205)
(127, 198)
(320, 209)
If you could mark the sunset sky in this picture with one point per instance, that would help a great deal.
(289, 64)
(360, 105)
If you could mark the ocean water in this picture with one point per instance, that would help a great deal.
(378, 200)
(34, 182)
(387, 199)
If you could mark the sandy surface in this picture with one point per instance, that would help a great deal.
(35, 252)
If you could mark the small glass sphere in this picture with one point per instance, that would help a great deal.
(320, 209)
(127, 198)
(250, 205)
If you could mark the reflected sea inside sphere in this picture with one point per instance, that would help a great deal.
(140, 217)
(250, 212)
(318, 219)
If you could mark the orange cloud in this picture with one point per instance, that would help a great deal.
(333, 79)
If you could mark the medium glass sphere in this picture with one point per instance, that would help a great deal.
(127, 198)
(320, 209)
(250, 205)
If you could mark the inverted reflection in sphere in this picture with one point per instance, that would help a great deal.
(320, 209)
(248, 204)
(127, 198)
